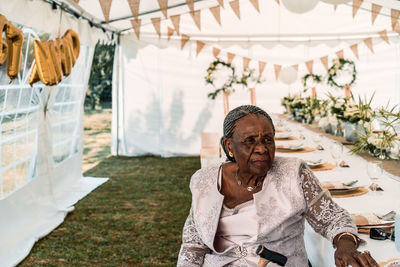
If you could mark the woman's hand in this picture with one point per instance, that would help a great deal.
(347, 254)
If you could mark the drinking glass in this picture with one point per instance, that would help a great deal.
(317, 140)
(336, 150)
(374, 170)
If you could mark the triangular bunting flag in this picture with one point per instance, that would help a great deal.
(296, 67)
(163, 7)
(394, 14)
(356, 6)
(157, 25)
(136, 26)
(221, 3)
(235, 7)
(196, 18)
(190, 4)
(170, 32)
(230, 57)
(246, 62)
(384, 36)
(309, 65)
(334, 7)
(368, 43)
(340, 54)
(216, 52)
(324, 61)
(184, 39)
(256, 5)
(261, 66)
(354, 48)
(176, 20)
(199, 46)
(134, 5)
(105, 7)
(277, 69)
(396, 27)
(375, 10)
(277, 1)
(216, 11)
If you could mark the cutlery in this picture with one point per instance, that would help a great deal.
(388, 216)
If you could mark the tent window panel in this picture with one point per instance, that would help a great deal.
(13, 98)
(7, 153)
(21, 174)
(61, 151)
(31, 144)
(3, 93)
(20, 148)
(26, 96)
(7, 128)
(60, 94)
(8, 181)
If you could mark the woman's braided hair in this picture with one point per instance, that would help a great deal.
(233, 116)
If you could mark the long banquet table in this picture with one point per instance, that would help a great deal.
(320, 250)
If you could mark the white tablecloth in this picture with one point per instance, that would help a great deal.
(320, 250)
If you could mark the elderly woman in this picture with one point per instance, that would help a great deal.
(258, 199)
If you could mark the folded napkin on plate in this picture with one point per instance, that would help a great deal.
(333, 185)
(368, 220)
(365, 219)
(339, 185)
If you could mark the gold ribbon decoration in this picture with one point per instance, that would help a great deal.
(54, 59)
(3, 43)
(15, 38)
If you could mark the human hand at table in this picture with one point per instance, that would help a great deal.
(347, 254)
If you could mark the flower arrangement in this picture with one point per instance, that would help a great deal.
(381, 138)
(342, 73)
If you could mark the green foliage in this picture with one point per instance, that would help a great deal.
(101, 74)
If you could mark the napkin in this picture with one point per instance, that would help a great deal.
(368, 220)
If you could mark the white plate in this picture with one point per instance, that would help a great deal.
(315, 163)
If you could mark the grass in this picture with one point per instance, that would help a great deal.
(135, 219)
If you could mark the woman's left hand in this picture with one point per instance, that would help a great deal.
(346, 254)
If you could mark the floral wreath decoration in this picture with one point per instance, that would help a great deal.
(210, 77)
(248, 74)
(310, 77)
(343, 65)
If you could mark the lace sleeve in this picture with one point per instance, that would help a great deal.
(192, 250)
(323, 214)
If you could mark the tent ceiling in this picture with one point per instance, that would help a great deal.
(274, 23)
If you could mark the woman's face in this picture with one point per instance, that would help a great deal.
(253, 145)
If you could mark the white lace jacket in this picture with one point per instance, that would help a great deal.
(290, 194)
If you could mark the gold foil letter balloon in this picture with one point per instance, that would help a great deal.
(44, 62)
(15, 38)
(54, 59)
(3, 44)
(74, 40)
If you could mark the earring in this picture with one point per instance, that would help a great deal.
(230, 154)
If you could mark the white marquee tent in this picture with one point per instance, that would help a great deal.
(160, 103)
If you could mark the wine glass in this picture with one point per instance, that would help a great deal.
(374, 170)
(317, 140)
(300, 130)
(336, 150)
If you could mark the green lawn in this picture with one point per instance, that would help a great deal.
(135, 219)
